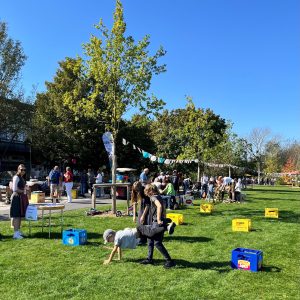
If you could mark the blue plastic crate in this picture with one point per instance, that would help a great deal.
(247, 259)
(74, 237)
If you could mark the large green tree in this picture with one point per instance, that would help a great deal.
(121, 70)
(189, 133)
(59, 135)
(12, 59)
(15, 113)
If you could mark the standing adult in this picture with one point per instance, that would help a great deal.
(68, 182)
(204, 186)
(175, 181)
(141, 204)
(99, 179)
(156, 216)
(19, 201)
(55, 181)
(186, 184)
(91, 180)
(83, 183)
(238, 190)
(144, 177)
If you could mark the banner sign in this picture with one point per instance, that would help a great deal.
(108, 142)
(31, 213)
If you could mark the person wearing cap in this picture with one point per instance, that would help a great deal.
(129, 237)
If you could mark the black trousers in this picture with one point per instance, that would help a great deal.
(156, 239)
(156, 242)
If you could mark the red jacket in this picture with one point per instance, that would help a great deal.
(68, 176)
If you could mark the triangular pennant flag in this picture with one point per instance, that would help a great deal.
(160, 160)
(146, 154)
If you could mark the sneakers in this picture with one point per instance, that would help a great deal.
(171, 227)
(147, 262)
(169, 264)
(17, 235)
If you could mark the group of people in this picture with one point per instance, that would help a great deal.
(150, 199)
(151, 224)
(59, 181)
(214, 189)
(168, 185)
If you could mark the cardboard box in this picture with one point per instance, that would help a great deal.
(37, 197)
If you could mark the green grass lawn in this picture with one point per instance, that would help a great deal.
(42, 268)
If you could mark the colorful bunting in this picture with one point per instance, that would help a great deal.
(168, 161)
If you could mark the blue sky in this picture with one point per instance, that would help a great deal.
(237, 57)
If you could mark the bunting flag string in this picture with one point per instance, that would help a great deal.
(168, 161)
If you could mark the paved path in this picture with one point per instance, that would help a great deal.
(76, 204)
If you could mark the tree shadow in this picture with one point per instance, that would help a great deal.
(273, 191)
(287, 217)
(58, 235)
(188, 239)
(273, 199)
(45, 235)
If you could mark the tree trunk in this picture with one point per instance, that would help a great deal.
(258, 172)
(229, 172)
(198, 173)
(113, 176)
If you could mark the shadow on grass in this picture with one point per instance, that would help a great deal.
(284, 216)
(287, 217)
(272, 269)
(58, 235)
(219, 266)
(271, 198)
(274, 191)
(188, 239)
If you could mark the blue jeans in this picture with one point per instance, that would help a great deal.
(83, 188)
(167, 201)
(98, 192)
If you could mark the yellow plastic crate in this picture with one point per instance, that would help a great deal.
(37, 197)
(74, 194)
(271, 213)
(206, 208)
(241, 225)
(176, 218)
